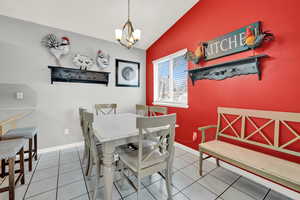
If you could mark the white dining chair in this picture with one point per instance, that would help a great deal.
(141, 109)
(155, 110)
(84, 135)
(149, 160)
(106, 109)
(96, 154)
(89, 140)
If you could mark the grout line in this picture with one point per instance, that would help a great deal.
(189, 178)
(84, 178)
(210, 173)
(31, 177)
(134, 191)
(187, 185)
(183, 195)
(199, 183)
(146, 188)
(229, 187)
(240, 176)
(213, 191)
(58, 169)
(267, 194)
(114, 185)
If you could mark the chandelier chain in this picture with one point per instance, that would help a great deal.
(128, 9)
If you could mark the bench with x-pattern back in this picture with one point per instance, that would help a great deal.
(234, 124)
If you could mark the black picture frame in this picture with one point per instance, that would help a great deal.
(132, 63)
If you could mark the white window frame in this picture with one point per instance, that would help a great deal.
(155, 79)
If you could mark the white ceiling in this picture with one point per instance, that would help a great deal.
(99, 18)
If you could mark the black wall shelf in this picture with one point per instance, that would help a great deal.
(63, 74)
(245, 66)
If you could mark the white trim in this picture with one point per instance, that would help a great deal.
(171, 79)
(56, 148)
(171, 56)
(170, 104)
(155, 79)
(262, 181)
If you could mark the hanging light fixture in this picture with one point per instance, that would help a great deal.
(128, 36)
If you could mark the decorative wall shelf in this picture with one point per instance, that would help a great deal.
(62, 74)
(230, 69)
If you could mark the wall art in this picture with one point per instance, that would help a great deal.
(57, 47)
(197, 55)
(83, 62)
(253, 40)
(102, 59)
(230, 43)
(127, 73)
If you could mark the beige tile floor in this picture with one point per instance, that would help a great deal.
(59, 176)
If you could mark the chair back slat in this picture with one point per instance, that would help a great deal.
(81, 110)
(148, 128)
(88, 119)
(154, 110)
(141, 109)
(106, 109)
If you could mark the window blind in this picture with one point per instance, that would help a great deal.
(180, 80)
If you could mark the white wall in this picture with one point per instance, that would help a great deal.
(24, 61)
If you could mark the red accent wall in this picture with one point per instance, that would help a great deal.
(279, 88)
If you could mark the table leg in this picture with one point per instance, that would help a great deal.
(108, 170)
(171, 165)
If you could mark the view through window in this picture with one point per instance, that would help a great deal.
(170, 80)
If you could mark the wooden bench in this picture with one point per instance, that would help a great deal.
(234, 123)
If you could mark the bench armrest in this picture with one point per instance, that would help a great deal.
(202, 129)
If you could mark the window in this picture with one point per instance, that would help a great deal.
(170, 80)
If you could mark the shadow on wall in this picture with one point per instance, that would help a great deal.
(17, 96)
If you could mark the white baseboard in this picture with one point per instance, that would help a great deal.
(269, 184)
(56, 148)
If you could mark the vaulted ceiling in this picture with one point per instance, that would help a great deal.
(99, 18)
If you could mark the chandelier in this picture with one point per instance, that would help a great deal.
(127, 36)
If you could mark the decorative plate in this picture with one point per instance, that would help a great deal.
(102, 59)
(83, 62)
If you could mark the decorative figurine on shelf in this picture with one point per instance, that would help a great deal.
(83, 62)
(102, 59)
(58, 48)
(196, 56)
(253, 41)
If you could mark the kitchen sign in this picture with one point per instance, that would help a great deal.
(230, 43)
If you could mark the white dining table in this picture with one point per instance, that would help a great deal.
(113, 131)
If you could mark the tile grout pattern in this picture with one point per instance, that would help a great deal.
(60, 176)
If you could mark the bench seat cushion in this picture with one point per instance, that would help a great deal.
(28, 132)
(10, 148)
(278, 170)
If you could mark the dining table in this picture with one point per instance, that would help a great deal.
(113, 131)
